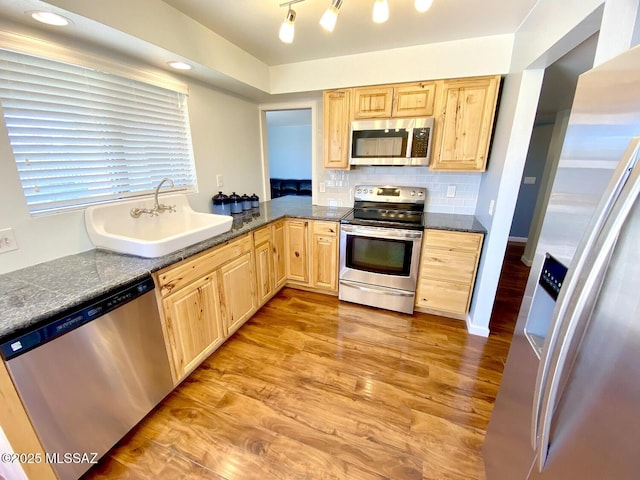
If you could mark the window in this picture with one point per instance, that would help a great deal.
(80, 136)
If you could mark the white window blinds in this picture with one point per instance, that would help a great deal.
(80, 136)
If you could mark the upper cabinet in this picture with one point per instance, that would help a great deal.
(335, 124)
(465, 111)
(372, 102)
(399, 100)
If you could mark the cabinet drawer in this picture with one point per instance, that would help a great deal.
(453, 240)
(443, 296)
(177, 276)
(325, 228)
(262, 235)
(453, 266)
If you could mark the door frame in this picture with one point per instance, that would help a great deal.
(313, 105)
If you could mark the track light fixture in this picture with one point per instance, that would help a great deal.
(423, 5)
(330, 16)
(287, 30)
(380, 11)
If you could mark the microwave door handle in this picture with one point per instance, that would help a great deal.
(586, 246)
(409, 142)
(580, 314)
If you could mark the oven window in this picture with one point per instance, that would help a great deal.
(377, 255)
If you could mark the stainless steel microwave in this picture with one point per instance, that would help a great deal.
(395, 141)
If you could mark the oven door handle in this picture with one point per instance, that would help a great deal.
(386, 291)
(382, 232)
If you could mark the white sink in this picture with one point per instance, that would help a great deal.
(112, 227)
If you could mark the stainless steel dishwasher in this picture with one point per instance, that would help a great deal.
(87, 376)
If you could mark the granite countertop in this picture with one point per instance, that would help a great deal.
(459, 223)
(34, 294)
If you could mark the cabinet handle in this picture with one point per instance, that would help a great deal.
(331, 230)
(297, 254)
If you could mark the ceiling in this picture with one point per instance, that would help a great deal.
(253, 25)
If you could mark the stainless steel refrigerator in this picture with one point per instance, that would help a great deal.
(569, 403)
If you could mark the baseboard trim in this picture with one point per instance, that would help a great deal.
(518, 239)
(526, 261)
(475, 329)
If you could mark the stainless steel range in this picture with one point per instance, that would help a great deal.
(380, 243)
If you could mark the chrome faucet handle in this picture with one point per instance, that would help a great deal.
(166, 208)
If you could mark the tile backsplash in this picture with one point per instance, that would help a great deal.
(339, 186)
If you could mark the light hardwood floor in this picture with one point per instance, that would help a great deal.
(314, 388)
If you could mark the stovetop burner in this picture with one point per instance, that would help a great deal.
(388, 206)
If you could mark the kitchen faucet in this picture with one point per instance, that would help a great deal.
(157, 207)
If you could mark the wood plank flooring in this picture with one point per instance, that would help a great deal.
(314, 388)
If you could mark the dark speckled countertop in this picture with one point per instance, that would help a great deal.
(34, 294)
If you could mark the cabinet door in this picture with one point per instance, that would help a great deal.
(372, 102)
(413, 100)
(296, 234)
(279, 263)
(192, 322)
(264, 272)
(336, 112)
(324, 262)
(448, 267)
(464, 122)
(239, 298)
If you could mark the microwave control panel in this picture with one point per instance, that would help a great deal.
(420, 142)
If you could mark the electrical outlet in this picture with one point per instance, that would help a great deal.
(492, 204)
(451, 191)
(323, 187)
(8, 240)
(529, 180)
(219, 180)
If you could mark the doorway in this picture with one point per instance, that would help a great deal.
(554, 105)
(289, 149)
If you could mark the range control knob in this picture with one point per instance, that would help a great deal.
(413, 193)
(358, 191)
(420, 194)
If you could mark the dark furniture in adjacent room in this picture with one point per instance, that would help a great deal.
(281, 187)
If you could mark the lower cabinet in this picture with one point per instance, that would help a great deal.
(324, 255)
(296, 257)
(192, 324)
(312, 254)
(448, 267)
(238, 300)
(204, 300)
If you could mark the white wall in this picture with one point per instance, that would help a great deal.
(462, 58)
(225, 140)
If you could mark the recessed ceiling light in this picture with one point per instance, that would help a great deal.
(50, 18)
(180, 65)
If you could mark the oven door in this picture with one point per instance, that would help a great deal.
(379, 262)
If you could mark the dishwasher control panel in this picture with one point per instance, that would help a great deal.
(71, 319)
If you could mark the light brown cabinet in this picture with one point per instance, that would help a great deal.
(278, 248)
(312, 254)
(238, 293)
(335, 124)
(204, 299)
(447, 273)
(397, 100)
(465, 111)
(324, 255)
(296, 258)
(269, 246)
(265, 279)
(192, 324)
(372, 102)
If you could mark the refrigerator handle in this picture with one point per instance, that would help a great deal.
(579, 312)
(568, 291)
